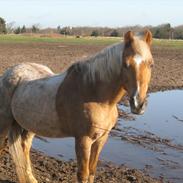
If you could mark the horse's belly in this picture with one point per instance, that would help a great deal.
(41, 122)
(33, 107)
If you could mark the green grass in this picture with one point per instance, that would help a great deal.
(82, 40)
(178, 44)
(65, 40)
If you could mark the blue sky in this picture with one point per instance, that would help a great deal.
(112, 13)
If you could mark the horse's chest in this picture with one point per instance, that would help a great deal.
(103, 117)
(34, 107)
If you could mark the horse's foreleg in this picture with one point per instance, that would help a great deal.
(83, 148)
(95, 152)
(27, 138)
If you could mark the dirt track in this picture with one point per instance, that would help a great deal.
(167, 74)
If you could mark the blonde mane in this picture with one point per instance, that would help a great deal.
(103, 66)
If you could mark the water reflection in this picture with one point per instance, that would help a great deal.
(163, 118)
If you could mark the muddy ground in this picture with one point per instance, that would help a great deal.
(48, 169)
(167, 74)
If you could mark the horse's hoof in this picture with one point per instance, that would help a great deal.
(32, 180)
(91, 179)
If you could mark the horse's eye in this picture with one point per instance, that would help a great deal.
(126, 66)
(151, 66)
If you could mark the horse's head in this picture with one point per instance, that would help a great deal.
(137, 64)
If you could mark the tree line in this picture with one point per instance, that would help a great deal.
(163, 31)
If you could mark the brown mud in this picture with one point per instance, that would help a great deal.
(48, 169)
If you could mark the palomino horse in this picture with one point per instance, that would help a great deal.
(80, 103)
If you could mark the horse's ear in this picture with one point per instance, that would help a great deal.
(148, 37)
(128, 37)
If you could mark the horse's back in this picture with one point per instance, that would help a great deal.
(33, 106)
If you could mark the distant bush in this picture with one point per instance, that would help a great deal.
(58, 29)
(23, 29)
(65, 31)
(163, 31)
(20, 30)
(2, 26)
(17, 30)
(35, 29)
(178, 32)
(95, 33)
(114, 33)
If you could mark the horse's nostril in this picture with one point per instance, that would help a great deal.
(132, 102)
(142, 104)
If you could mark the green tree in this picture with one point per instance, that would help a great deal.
(35, 29)
(17, 30)
(58, 29)
(2, 26)
(65, 31)
(23, 29)
(163, 31)
(178, 32)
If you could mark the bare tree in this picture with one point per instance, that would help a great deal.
(10, 27)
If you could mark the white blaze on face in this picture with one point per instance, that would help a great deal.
(138, 60)
(136, 95)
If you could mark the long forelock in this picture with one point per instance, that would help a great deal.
(103, 66)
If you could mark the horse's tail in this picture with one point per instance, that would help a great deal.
(6, 117)
(16, 150)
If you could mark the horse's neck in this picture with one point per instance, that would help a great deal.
(99, 77)
(111, 92)
(104, 65)
(112, 89)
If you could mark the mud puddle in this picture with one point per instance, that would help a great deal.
(152, 142)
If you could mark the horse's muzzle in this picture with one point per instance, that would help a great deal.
(137, 107)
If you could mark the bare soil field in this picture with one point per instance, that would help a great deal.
(167, 74)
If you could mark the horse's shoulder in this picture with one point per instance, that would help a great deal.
(100, 113)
